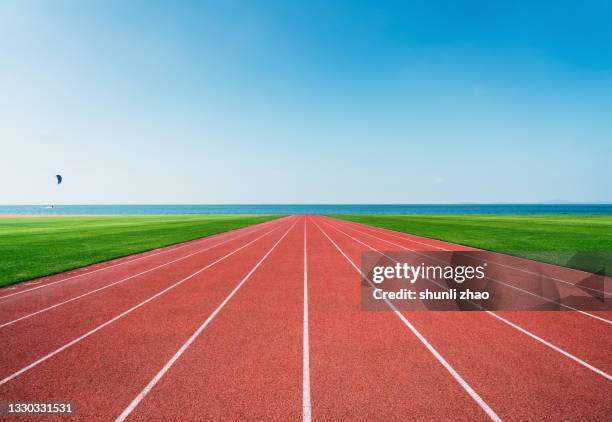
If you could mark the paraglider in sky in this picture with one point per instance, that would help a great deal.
(59, 180)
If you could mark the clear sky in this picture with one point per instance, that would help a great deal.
(305, 102)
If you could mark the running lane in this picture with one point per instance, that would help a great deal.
(519, 377)
(369, 365)
(247, 363)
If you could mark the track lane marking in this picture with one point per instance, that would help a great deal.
(126, 279)
(491, 313)
(306, 403)
(471, 392)
(588, 314)
(171, 249)
(409, 237)
(552, 346)
(121, 315)
(130, 408)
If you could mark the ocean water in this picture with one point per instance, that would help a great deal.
(312, 209)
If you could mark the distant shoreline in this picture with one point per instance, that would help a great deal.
(328, 209)
(58, 215)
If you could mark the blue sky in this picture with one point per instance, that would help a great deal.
(305, 102)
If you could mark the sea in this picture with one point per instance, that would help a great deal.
(410, 209)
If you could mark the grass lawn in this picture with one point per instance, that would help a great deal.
(34, 247)
(576, 241)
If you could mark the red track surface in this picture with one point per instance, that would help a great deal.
(215, 329)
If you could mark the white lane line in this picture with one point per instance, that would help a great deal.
(491, 313)
(552, 346)
(473, 394)
(121, 315)
(193, 337)
(410, 238)
(124, 279)
(306, 406)
(588, 314)
(171, 249)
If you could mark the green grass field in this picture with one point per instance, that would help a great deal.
(34, 247)
(576, 241)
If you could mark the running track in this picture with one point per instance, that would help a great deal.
(264, 323)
